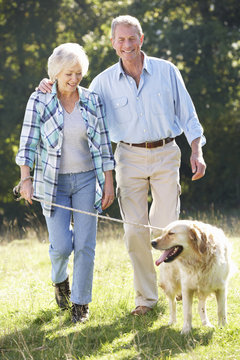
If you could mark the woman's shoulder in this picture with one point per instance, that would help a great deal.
(39, 101)
(41, 97)
(89, 95)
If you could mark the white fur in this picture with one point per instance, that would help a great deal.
(202, 268)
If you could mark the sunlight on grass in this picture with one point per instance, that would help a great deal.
(32, 327)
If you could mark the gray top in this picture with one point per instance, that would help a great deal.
(75, 156)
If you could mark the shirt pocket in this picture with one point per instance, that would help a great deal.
(52, 135)
(120, 108)
(160, 101)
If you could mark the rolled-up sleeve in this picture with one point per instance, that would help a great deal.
(184, 109)
(106, 148)
(30, 133)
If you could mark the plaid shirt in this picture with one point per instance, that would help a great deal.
(42, 136)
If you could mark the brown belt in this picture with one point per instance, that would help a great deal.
(151, 145)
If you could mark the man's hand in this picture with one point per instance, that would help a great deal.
(197, 161)
(198, 166)
(45, 86)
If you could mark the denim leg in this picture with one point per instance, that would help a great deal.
(60, 234)
(77, 191)
(84, 239)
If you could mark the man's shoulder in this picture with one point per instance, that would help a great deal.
(160, 62)
(87, 95)
(84, 91)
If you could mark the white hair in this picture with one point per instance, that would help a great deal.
(67, 55)
(126, 20)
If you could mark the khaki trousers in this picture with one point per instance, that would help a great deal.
(137, 170)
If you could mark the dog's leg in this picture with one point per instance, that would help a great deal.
(172, 309)
(202, 310)
(187, 295)
(221, 296)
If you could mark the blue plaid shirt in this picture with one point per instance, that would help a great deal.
(42, 136)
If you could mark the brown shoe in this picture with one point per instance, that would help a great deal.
(141, 310)
(80, 313)
(62, 294)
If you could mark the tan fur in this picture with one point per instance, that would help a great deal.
(202, 268)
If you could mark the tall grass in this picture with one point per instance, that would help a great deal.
(32, 327)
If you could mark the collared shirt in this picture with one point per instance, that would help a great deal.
(41, 142)
(158, 108)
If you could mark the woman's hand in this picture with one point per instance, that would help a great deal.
(26, 189)
(108, 191)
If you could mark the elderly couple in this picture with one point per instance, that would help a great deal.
(141, 104)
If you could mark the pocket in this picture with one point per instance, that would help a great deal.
(118, 103)
(178, 154)
(94, 137)
(116, 152)
(52, 135)
(118, 195)
(120, 109)
(178, 207)
(159, 100)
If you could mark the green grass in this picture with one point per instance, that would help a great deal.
(32, 327)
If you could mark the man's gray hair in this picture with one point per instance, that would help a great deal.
(126, 20)
(65, 56)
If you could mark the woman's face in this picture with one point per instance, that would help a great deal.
(69, 78)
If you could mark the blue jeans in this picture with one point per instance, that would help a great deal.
(76, 191)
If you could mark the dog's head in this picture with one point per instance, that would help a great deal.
(179, 236)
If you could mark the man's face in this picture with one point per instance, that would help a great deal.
(127, 42)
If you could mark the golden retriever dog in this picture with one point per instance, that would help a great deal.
(196, 259)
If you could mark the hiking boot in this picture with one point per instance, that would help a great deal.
(80, 313)
(141, 310)
(62, 294)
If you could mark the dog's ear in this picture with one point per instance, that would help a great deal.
(199, 238)
(157, 232)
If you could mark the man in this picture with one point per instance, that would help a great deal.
(147, 106)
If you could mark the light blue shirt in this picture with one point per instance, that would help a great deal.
(158, 108)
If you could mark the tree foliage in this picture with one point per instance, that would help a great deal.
(200, 37)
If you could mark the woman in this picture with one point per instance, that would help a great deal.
(64, 133)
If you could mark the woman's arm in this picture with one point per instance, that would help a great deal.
(30, 134)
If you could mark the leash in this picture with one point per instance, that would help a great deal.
(16, 192)
(97, 215)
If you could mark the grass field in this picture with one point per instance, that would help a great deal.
(32, 327)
